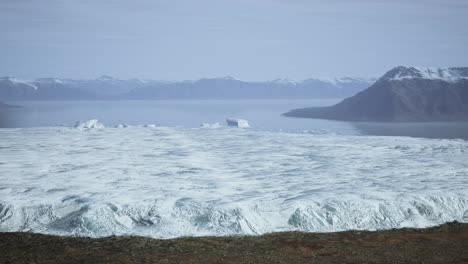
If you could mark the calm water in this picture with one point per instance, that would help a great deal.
(262, 114)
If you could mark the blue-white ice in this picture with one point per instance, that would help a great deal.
(170, 182)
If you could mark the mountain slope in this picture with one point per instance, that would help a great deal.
(403, 95)
(42, 89)
(15, 89)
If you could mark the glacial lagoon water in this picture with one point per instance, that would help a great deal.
(262, 115)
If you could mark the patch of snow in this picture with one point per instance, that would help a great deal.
(284, 81)
(340, 81)
(229, 78)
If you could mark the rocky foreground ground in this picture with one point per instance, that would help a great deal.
(447, 243)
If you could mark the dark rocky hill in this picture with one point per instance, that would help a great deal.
(403, 95)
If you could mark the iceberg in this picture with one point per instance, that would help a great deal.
(93, 123)
(236, 122)
(121, 126)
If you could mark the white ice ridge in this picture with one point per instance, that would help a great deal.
(93, 123)
(170, 182)
(237, 122)
(187, 217)
(446, 74)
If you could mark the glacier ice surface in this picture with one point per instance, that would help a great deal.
(170, 181)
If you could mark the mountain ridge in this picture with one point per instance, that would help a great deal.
(109, 88)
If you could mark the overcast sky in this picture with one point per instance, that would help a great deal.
(245, 39)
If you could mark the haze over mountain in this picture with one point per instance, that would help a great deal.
(108, 88)
(403, 94)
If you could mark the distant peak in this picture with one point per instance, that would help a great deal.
(430, 73)
(284, 81)
(229, 78)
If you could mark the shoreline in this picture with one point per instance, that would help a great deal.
(446, 243)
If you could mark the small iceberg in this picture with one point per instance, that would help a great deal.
(121, 126)
(150, 125)
(93, 123)
(236, 122)
(208, 125)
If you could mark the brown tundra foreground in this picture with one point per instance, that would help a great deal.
(447, 243)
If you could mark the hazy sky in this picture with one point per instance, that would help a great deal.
(246, 39)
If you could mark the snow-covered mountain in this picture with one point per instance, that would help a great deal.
(16, 89)
(106, 88)
(453, 74)
(404, 94)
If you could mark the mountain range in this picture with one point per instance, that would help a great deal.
(404, 94)
(108, 88)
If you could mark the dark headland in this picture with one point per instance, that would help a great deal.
(3, 105)
(404, 94)
(447, 243)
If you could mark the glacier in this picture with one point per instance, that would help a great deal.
(169, 182)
